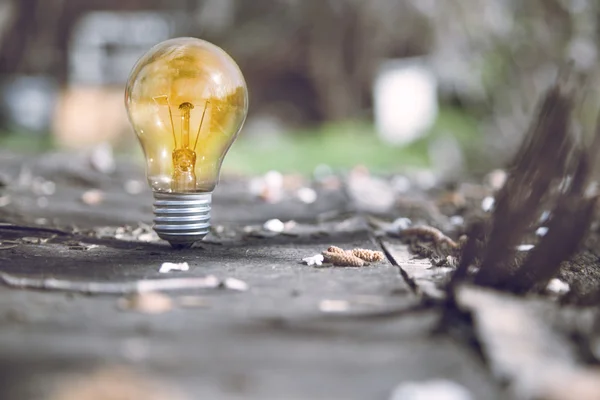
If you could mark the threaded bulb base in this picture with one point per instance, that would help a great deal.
(182, 218)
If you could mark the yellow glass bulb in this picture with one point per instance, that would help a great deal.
(187, 101)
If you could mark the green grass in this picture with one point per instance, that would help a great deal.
(338, 145)
(342, 146)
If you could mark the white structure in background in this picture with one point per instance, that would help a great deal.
(405, 100)
(29, 101)
(103, 48)
(105, 45)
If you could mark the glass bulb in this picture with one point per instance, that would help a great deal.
(187, 101)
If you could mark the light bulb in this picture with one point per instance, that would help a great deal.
(187, 101)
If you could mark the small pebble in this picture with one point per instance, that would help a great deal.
(31, 240)
(307, 195)
(487, 204)
(4, 201)
(148, 237)
(273, 179)
(102, 159)
(167, 267)
(256, 186)
(291, 224)
(439, 389)
(541, 231)
(401, 223)
(134, 187)
(274, 225)
(457, 220)
(92, 197)
(147, 303)
(42, 202)
(496, 179)
(48, 188)
(235, 284)
(314, 260)
(425, 179)
(558, 287)
(545, 216)
(332, 306)
(400, 184)
(193, 301)
(525, 247)
(42, 187)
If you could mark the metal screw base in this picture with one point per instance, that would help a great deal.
(182, 218)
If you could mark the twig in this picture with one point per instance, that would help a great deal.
(469, 253)
(568, 226)
(542, 159)
(428, 233)
(148, 285)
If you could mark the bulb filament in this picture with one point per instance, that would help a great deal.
(184, 157)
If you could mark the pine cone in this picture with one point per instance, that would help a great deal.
(335, 249)
(368, 255)
(344, 259)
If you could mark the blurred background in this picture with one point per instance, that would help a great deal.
(386, 84)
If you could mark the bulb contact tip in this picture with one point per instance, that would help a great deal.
(182, 218)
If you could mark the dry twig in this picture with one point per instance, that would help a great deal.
(552, 167)
(148, 285)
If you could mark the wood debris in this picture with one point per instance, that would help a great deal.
(342, 259)
(351, 258)
(113, 383)
(550, 175)
(430, 242)
(368, 255)
(148, 285)
(523, 351)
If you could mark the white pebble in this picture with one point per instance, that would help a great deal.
(314, 260)
(439, 389)
(4, 201)
(556, 286)
(274, 225)
(401, 223)
(525, 247)
(42, 202)
(92, 197)
(545, 216)
(541, 231)
(400, 183)
(256, 186)
(102, 158)
(307, 195)
(334, 306)
(167, 267)
(274, 179)
(487, 204)
(235, 284)
(133, 186)
(43, 187)
(496, 179)
(457, 220)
